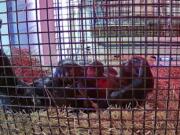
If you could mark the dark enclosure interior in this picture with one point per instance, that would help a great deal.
(108, 67)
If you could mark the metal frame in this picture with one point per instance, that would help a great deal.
(52, 67)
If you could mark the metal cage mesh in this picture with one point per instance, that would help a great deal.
(89, 67)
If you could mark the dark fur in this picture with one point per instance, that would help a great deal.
(137, 82)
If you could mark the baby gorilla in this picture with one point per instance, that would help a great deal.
(138, 82)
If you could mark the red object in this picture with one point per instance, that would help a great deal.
(26, 67)
(110, 83)
(108, 80)
(102, 84)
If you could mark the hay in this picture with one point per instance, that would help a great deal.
(138, 121)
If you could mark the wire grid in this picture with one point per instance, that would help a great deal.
(37, 35)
